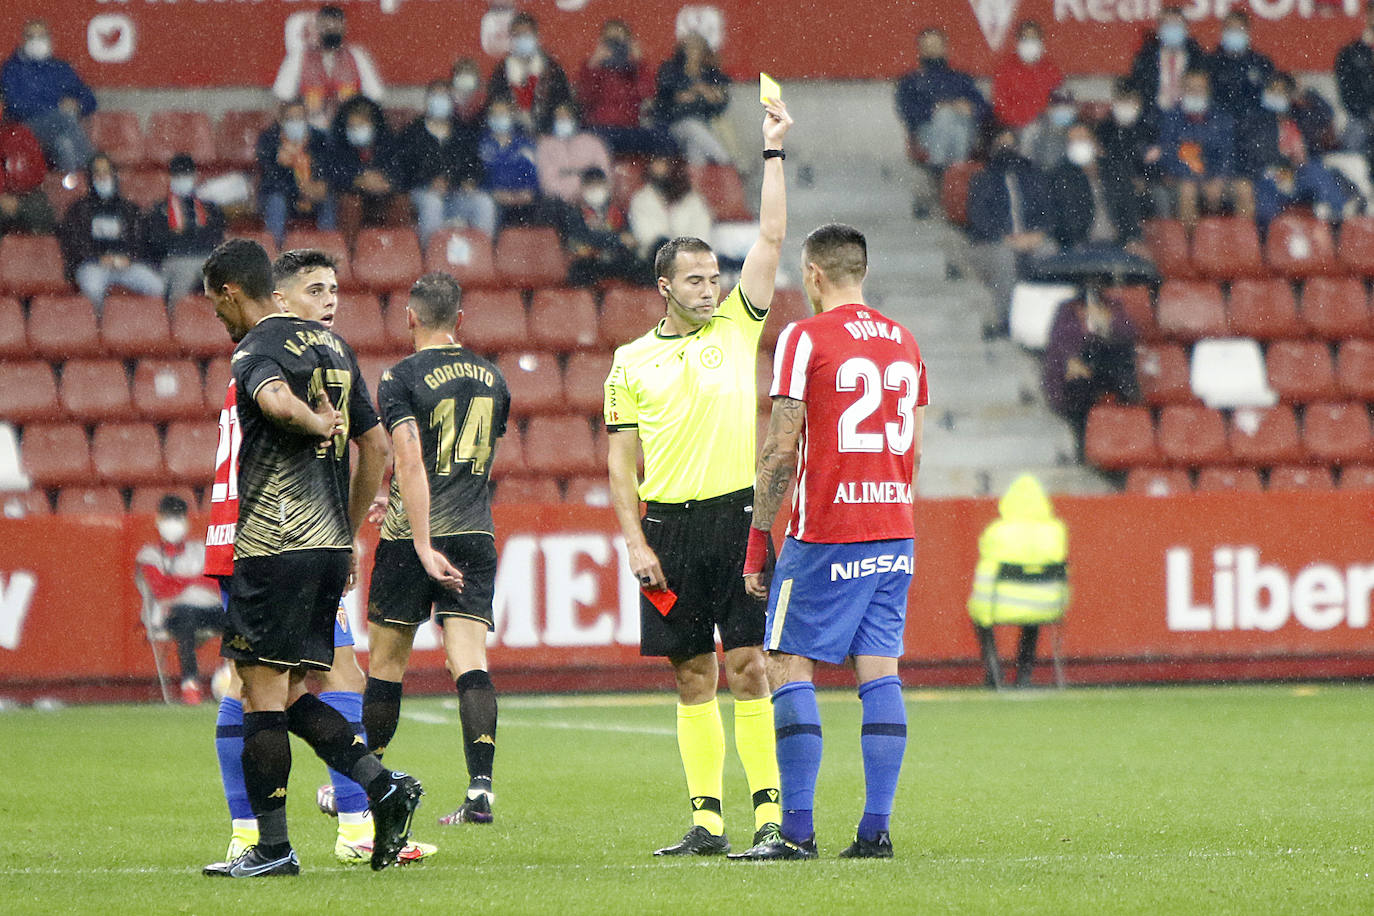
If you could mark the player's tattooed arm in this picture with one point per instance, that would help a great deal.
(777, 460)
(282, 407)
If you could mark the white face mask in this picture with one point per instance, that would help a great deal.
(439, 106)
(38, 48)
(465, 84)
(1080, 152)
(104, 187)
(1194, 104)
(499, 124)
(182, 185)
(1030, 50)
(524, 45)
(597, 197)
(359, 134)
(563, 128)
(1126, 113)
(293, 130)
(172, 530)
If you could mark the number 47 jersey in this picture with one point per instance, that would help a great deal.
(862, 378)
(460, 404)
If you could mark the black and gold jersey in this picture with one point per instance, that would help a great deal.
(460, 403)
(293, 491)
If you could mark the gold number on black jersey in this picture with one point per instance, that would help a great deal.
(472, 445)
(341, 381)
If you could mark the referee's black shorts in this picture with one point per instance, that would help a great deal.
(281, 608)
(700, 546)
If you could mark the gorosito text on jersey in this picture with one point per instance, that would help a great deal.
(869, 491)
(871, 566)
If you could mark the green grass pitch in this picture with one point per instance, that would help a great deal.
(1251, 800)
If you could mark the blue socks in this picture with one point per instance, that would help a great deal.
(797, 725)
(349, 797)
(229, 749)
(883, 740)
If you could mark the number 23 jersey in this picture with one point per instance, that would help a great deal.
(862, 378)
(460, 404)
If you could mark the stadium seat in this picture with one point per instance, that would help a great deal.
(28, 392)
(527, 490)
(386, 258)
(788, 305)
(1356, 249)
(1135, 301)
(144, 500)
(166, 389)
(189, 451)
(594, 490)
(1230, 373)
(261, 236)
(723, 191)
(510, 454)
(64, 189)
(76, 500)
(125, 454)
(494, 320)
(1264, 436)
(96, 390)
(395, 330)
(216, 381)
(535, 381)
(117, 134)
(1355, 369)
(1191, 435)
(172, 132)
(1300, 370)
(12, 476)
(14, 337)
(1158, 481)
(1162, 370)
(56, 454)
(328, 241)
(1336, 307)
(629, 312)
(25, 504)
(1338, 432)
(63, 326)
(358, 320)
(1245, 480)
(564, 320)
(954, 190)
(562, 445)
(372, 366)
(1191, 309)
(136, 326)
(530, 257)
(31, 265)
(1357, 477)
(1226, 247)
(236, 137)
(627, 177)
(763, 383)
(1167, 241)
(584, 380)
(465, 254)
(144, 186)
(196, 329)
(1120, 437)
(1299, 245)
(1290, 478)
(1263, 309)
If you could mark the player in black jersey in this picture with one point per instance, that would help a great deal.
(300, 400)
(445, 407)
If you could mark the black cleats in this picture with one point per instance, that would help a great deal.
(698, 842)
(391, 816)
(474, 810)
(778, 848)
(880, 847)
(254, 863)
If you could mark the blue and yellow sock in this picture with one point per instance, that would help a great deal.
(229, 749)
(797, 720)
(883, 740)
(349, 797)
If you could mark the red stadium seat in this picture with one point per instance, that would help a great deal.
(216, 382)
(628, 313)
(63, 326)
(190, 452)
(387, 258)
(527, 490)
(788, 305)
(14, 336)
(358, 320)
(535, 381)
(90, 501)
(494, 320)
(1191, 309)
(584, 380)
(143, 186)
(954, 190)
(723, 191)
(1355, 368)
(166, 389)
(1158, 481)
(1300, 370)
(1356, 250)
(564, 320)
(372, 367)
(562, 445)
(594, 490)
(465, 254)
(530, 257)
(1226, 247)
(1192, 435)
(1338, 432)
(56, 454)
(261, 236)
(64, 189)
(1265, 437)
(1336, 307)
(118, 135)
(196, 329)
(1263, 309)
(1119, 437)
(395, 329)
(236, 137)
(1290, 478)
(1162, 370)
(172, 132)
(26, 504)
(144, 500)
(28, 392)
(1300, 246)
(136, 326)
(31, 265)
(1245, 480)
(1140, 310)
(127, 453)
(328, 241)
(96, 390)
(1167, 241)
(510, 455)
(1357, 477)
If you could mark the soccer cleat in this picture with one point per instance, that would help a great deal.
(352, 853)
(391, 817)
(778, 848)
(254, 864)
(324, 797)
(880, 847)
(475, 809)
(697, 842)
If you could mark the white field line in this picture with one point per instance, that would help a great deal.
(432, 719)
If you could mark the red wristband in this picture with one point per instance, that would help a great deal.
(756, 553)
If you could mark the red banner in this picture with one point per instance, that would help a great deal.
(191, 43)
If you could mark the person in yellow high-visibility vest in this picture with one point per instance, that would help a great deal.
(1022, 575)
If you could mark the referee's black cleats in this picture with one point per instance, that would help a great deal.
(880, 847)
(254, 863)
(698, 842)
(391, 816)
(778, 848)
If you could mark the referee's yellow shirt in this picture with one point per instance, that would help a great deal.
(694, 402)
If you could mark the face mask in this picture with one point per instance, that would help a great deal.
(1080, 153)
(359, 134)
(439, 107)
(1062, 115)
(1172, 35)
(524, 45)
(563, 128)
(104, 187)
(172, 530)
(293, 130)
(1126, 113)
(597, 197)
(1275, 102)
(465, 84)
(331, 41)
(933, 60)
(1194, 104)
(38, 48)
(182, 185)
(1029, 50)
(499, 124)
(1234, 41)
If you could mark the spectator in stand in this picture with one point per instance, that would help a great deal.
(616, 90)
(436, 162)
(23, 205)
(1197, 144)
(1093, 198)
(1355, 83)
(1023, 81)
(667, 207)
(563, 155)
(327, 70)
(533, 82)
(1044, 139)
(1165, 57)
(691, 91)
(1314, 116)
(1285, 184)
(182, 230)
(102, 243)
(45, 93)
(1009, 224)
(1239, 72)
(469, 95)
(179, 601)
(1090, 356)
(362, 179)
(1129, 140)
(507, 156)
(599, 239)
(295, 163)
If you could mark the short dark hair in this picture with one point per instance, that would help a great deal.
(594, 173)
(436, 299)
(524, 18)
(331, 11)
(840, 251)
(299, 260)
(665, 262)
(242, 262)
(1235, 15)
(171, 504)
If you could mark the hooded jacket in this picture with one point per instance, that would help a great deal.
(1022, 576)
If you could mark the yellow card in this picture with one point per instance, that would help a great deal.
(769, 90)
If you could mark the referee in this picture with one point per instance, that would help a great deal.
(685, 394)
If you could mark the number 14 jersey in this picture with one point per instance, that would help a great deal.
(459, 403)
(862, 378)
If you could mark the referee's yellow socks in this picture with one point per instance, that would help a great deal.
(701, 741)
(754, 742)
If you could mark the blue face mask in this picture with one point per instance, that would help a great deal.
(1172, 35)
(1061, 115)
(1275, 102)
(524, 45)
(1235, 41)
(499, 124)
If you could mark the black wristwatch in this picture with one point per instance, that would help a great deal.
(774, 154)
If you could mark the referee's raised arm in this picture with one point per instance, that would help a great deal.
(761, 264)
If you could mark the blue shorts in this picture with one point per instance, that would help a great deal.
(343, 636)
(830, 601)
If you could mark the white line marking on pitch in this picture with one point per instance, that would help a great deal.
(428, 718)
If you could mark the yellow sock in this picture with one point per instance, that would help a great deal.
(755, 744)
(701, 741)
(355, 828)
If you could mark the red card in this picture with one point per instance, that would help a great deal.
(661, 598)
